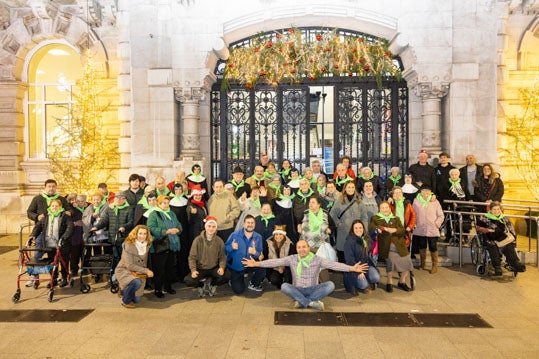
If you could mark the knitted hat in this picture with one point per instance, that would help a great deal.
(280, 229)
(210, 219)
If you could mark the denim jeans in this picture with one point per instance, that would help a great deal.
(309, 294)
(372, 276)
(237, 281)
(128, 293)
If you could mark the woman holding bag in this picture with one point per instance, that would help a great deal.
(132, 270)
(165, 229)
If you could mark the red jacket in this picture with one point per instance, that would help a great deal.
(409, 218)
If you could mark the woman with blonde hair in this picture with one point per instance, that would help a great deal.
(132, 270)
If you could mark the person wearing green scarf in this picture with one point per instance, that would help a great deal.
(258, 178)
(315, 224)
(265, 222)
(39, 204)
(305, 290)
(341, 177)
(300, 203)
(274, 187)
(391, 238)
(501, 237)
(430, 217)
(394, 179)
(366, 175)
(55, 230)
(118, 219)
(286, 166)
(160, 187)
(240, 187)
(165, 229)
(196, 178)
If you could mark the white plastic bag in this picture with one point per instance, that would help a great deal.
(326, 251)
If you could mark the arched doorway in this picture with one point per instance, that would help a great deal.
(322, 119)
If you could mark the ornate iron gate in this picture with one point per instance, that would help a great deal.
(366, 122)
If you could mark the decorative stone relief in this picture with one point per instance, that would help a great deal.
(426, 90)
(190, 142)
(431, 139)
(10, 44)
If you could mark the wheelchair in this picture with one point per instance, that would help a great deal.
(481, 257)
(450, 228)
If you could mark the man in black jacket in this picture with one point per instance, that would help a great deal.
(422, 172)
(470, 175)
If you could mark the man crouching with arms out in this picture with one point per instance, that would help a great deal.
(305, 266)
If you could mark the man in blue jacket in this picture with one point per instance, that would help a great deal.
(244, 243)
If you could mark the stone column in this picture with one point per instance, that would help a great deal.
(190, 98)
(431, 95)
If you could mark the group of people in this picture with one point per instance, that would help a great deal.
(277, 224)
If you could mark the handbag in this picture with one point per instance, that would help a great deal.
(161, 245)
(509, 238)
(139, 275)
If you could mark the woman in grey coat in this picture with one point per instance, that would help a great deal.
(347, 208)
(132, 270)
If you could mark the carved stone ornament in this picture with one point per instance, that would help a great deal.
(185, 94)
(431, 138)
(190, 142)
(427, 90)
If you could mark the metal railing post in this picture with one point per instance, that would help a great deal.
(460, 240)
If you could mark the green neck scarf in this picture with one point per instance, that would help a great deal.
(313, 181)
(166, 191)
(489, 215)
(453, 183)
(197, 176)
(49, 198)
(117, 208)
(236, 185)
(424, 202)
(282, 197)
(399, 209)
(81, 209)
(144, 202)
(285, 173)
(304, 262)
(315, 221)
(267, 218)
(320, 189)
(258, 180)
(256, 203)
(54, 214)
(386, 218)
(340, 182)
(367, 179)
(268, 175)
(395, 180)
(166, 213)
(98, 208)
(276, 188)
(304, 196)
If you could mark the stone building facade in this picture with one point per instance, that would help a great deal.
(462, 62)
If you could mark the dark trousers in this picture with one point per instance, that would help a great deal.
(74, 259)
(237, 281)
(163, 269)
(422, 243)
(508, 251)
(277, 279)
(215, 278)
(225, 233)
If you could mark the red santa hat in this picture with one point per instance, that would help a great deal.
(210, 219)
(197, 189)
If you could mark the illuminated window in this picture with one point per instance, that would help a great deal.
(52, 73)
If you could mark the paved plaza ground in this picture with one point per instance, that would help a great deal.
(231, 326)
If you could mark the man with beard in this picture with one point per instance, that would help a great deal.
(244, 243)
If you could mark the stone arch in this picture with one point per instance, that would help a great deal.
(317, 15)
(528, 47)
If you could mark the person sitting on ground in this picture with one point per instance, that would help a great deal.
(132, 270)
(305, 266)
(357, 248)
(429, 218)
(391, 245)
(241, 244)
(57, 228)
(500, 239)
(278, 246)
(207, 260)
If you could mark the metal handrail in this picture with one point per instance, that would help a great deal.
(519, 200)
(508, 206)
(475, 214)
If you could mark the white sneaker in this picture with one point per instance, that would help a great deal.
(318, 305)
(213, 290)
(31, 282)
(297, 305)
(253, 288)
